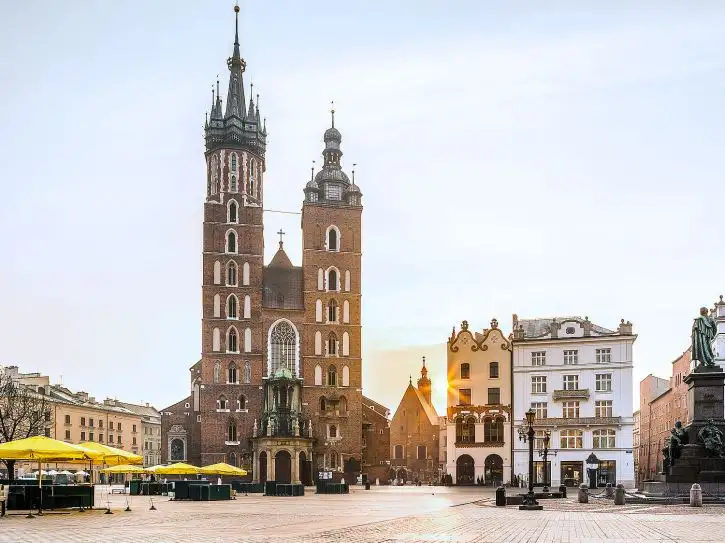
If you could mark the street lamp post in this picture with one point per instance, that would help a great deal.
(544, 453)
(529, 502)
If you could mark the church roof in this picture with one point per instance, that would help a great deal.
(540, 327)
(282, 288)
(428, 409)
(280, 260)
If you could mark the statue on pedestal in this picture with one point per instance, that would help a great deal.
(703, 333)
(711, 437)
(673, 445)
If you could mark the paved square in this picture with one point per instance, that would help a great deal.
(383, 514)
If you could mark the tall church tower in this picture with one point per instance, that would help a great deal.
(331, 348)
(233, 253)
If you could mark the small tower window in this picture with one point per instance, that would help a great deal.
(232, 307)
(232, 273)
(232, 374)
(231, 242)
(241, 403)
(332, 376)
(221, 403)
(332, 244)
(333, 192)
(234, 162)
(233, 187)
(332, 280)
(332, 311)
(232, 341)
(332, 344)
(333, 431)
(232, 431)
(323, 405)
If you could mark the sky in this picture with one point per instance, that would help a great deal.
(513, 157)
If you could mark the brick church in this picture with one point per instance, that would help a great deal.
(278, 389)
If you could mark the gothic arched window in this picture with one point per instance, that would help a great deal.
(232, 210)
(221, 403)
(332, 241)
(234, 162)
(232, 273)
(331, 376)
(332, 279)
(283, 347)
(232, 307)
(332, 311)
(231, 242)
(232, 341)
(332, 344)
(177, 450)
(232, 373)
(242, 403)
(232, 431)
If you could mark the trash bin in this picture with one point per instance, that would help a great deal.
(500, 496)
(367, 485)
(562, 489)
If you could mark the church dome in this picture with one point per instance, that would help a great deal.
(312, 185)
(332, 134)
(331, 173)
(353, 189)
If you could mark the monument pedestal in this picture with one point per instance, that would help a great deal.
(706, 401)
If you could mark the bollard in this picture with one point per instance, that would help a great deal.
(609, 491)
(501, 496)
(619, 498)
(696, 496)
(562, 490)
(583, 495)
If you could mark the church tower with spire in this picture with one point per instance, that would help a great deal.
(278, 388)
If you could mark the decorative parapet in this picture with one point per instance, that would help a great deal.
(581, 393)
(490, 410)
(581, 421)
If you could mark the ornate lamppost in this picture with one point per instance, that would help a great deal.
(529, 502)
(544, 453)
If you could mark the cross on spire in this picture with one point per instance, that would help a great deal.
(281, 233)
(332, 112)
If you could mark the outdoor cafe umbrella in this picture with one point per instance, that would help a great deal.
(180, 468)
(112, 456)
(124, 468)
(222, 469)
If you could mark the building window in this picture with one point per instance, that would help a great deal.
(603, 408)
(603, 382)
(465, 430)
(541, 410)
(234, 162)
(465, 370)
(233, 185)
(332, 241)
(283, 341)
(232, 374)
(232, 307)
(231, 242)
(333, 431)
(67, 419)
(332, 344)
(604, 439)
(241, 403)
(493, 370)
(398, 452)
(422, 452)
(67, 435)
(332, 280)
(232, 431)
(464, 396)
(177, 450)
(90, 421)
(333, 192)
(494, 396)
(538, 358)
(232, 273)
(83, 421)
(110, 425)
(332, 311)
(132, 429)
(571, 439)
(323, 405)
(331, 376)
(333, 460)
(110, 438)
(493, 430)
(232, 341)
(570, 410)
(100, 438)
(83, 436)
(603, 356)
(539, 439)
(571, 357)
(133, 440)
(221, 403)
(232, 214)
(538, 384)
(571, 382)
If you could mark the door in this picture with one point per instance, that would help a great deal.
(607, 473)
(283, 467)
(493, 470)
(464, 470)
(305, 470)
(263, 467)
(571, 473)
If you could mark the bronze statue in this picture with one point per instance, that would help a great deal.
(711, 437)
(703, 333)
(673, 445)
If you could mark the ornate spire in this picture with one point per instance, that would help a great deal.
(236, 64)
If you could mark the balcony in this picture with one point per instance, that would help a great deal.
(579, 393)
(478, 409)
(580, 421)
(478, 444)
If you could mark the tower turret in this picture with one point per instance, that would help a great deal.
(424, 384)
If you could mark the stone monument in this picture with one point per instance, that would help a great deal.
(696, 453)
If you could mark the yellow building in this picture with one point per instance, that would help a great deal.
(478, 435)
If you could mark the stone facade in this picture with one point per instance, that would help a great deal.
(256, 318)
(150, 433)
(662, 402)
(577, 376)
(414, 434)
(478, 436)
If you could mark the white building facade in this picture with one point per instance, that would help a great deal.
(718, 346)
(577, 377)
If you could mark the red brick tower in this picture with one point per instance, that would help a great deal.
(233, 257)
(331, 348)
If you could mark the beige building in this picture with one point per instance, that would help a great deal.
(150, 431)
(478, 427)
(75, 417)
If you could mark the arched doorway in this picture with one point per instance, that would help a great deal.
(493, 469)
(304, 470)
(263, 467)
(177, 450)
(283, 467)
(464, 470)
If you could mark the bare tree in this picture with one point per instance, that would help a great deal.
(24, 412)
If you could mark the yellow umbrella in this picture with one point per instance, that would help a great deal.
(177, 469)
(125, 468)
(43, 449)
(222, 469)
(111, 455)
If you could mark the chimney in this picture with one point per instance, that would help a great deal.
(82, 396)
(625, 328)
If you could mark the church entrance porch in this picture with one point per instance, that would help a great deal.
(283, 467)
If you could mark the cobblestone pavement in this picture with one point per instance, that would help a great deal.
(384, 514)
